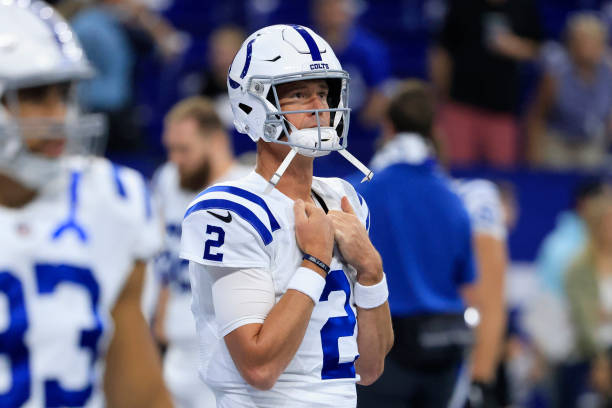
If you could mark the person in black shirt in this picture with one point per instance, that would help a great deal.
(475, 67)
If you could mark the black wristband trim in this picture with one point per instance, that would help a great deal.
(316, 261)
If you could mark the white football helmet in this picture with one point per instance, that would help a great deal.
(37, 48)
(286, 53)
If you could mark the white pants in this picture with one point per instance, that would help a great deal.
(181, 376)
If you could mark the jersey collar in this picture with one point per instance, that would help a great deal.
(409, 148)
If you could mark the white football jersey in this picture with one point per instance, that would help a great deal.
(243, 224)
(483, 204)
(63, 262)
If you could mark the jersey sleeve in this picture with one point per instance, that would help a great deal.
(225, 233)
(484, 207)
(240, 296)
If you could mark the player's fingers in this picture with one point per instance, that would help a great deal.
(299, 212)
(346, 206)
(337, 221)
(311, 209)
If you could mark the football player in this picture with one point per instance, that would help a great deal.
(484, 205)
(289, 295)
(75, 231)
(199, 153)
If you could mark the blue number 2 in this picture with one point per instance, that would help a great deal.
(48, 277)
(214, 243)
(336, 327)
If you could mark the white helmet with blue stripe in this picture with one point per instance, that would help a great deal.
(38, 48)
(287, 53)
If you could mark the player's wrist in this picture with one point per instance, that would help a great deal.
(371, 296)
(370, 271)
(322, 254)
(309, 282)
(313, 267)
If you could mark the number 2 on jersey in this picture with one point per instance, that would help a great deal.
(336, 327)
(214, 243)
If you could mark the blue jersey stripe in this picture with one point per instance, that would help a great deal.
(254, 198)
(239, 210)
(368, 221)
(247, 63)
(70, 223)
(118, 182)
(310, 42)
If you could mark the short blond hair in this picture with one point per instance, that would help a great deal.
(198, 108)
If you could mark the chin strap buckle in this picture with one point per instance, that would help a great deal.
(360, 166)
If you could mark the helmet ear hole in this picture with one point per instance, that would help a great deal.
(246, 108)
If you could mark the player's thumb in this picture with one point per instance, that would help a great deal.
(346, 206)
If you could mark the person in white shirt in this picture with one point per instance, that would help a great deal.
(199, 154)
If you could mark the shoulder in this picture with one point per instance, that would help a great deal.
(483, 204)
(237, 217)
(119, 188)
(165, 179)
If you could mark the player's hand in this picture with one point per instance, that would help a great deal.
(314, 231)
(354, 244)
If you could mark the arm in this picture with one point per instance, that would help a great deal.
(133, 370)
(491, 259)
(159, 323)
(440, 71)
(261, 352)
(375, 336)
(585, 317)
(536, 118)
(513, 46)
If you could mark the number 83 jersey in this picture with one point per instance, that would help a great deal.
(64, 259)
(245, 225)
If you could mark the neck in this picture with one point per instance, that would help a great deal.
(222, 162)
(586, 71)
(14, 194)
(296, 182)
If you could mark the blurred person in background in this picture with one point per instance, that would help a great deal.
(199, 154)
(589, 291)
(475, 69)
(562, 244)
(423, 233)
(569, 120)
(223, 44)
(113, 32)
(489, 216)
(548, 312)
(76, 232)
(367, 61)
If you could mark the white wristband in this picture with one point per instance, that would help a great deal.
(308, 282)
(369, 297)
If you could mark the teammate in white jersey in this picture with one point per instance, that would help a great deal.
(74, 232)
(482, 201)
(289, 295)
(199, 153)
